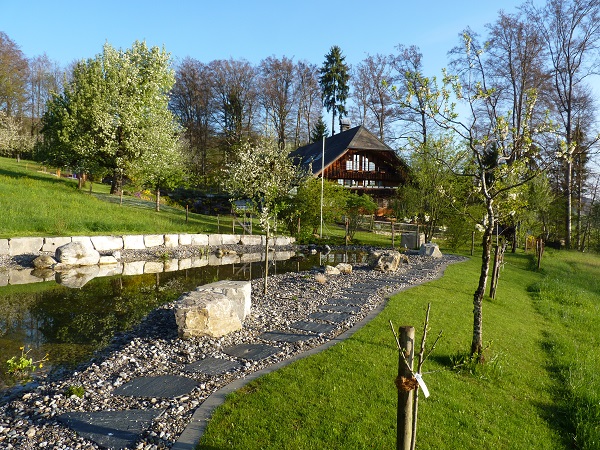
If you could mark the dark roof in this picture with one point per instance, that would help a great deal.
(357, 138)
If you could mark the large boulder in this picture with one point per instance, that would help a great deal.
(430, 249)
(77, 254)
(213, 310)
(44, 262)
(387, 260)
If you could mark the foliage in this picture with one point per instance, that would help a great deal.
(76, 390)
(23, 366)
(334, 77)
(357, 206)
(112, 114)
(319, 131)
(305, 207)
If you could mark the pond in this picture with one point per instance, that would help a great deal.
(69, 324)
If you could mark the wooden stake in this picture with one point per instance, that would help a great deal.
(405, 397)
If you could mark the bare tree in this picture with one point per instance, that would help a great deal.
(374, 106)
(13, 77)
(571, 32)
(276, 94)
(308, 101)
(191, 101)
(44, 79)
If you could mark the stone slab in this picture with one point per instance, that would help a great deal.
(154, 240)
(213, 366)
(330, 317)
(370, 286)
(133, 242)
(23, 246)
(4, 248)
(251, 239)
(105, 243)
(215, 239)
(313, 327)
(254, 352)
(185, 239)
(111, 429)
(347, 301)
(230, 239)
(165, 386)
(171, 240)
(200, 239)
(359, 297)
(340, 308)
(285, 336)
(52, 243)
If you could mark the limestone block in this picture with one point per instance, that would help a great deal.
(330, 270)
(104, 243)
(77, 254)
(215, 239)
(238, 292)
(134, 242)
(22, 276)
(430, 249)
(199, 261)
(281, 241)
(214, 260)
(110, 270)
(200, 239)
(230, 239)
(77, 277)
(251, 239)
(3, 277)
(205, 313)
(154, 267)
(387, 261)
(344, 268)
(4, 247)
(171, 240)
(281, 256)
(84, 239)
(185, 264)
(154, 240)
(251, 257)
(52, 243)
(185, 239)
(171, 265)
(409, 240)
(134, 268)
(22, 246)
(107, 260)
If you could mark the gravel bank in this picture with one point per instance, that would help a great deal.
(28, 419)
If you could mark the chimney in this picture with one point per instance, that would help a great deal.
(344, 124)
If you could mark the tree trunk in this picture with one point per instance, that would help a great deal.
(157, 199)
(477, 343)
(266, 259)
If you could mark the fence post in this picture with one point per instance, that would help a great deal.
(393, 234)
(405, 386)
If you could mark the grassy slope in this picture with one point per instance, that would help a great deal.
(523, 397)
(34, 203)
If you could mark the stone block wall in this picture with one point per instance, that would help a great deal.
(33, 245)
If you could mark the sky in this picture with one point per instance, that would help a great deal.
(252, 30)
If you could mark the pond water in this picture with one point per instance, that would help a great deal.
(69, 324)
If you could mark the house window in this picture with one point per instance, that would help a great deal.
(360, 162)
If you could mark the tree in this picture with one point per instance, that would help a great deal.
(276, 88)
(192, 103)
(13, 77)
(308, 101)
(44, 79)
(571, 32)
(358, 206)
(334, 77)
(263, 175)
(319, 131)
(112, 112)
(374, 105)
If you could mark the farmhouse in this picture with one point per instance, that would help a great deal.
(356, 159)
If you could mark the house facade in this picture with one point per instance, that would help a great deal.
(357, 160)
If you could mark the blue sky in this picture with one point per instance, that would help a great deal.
(252, 30)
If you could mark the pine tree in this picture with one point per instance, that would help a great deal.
(334, 84)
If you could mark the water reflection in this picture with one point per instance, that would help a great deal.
(69, 315)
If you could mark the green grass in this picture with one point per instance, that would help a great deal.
(37, 203)
(538, 390)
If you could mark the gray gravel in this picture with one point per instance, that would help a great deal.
(28, 418)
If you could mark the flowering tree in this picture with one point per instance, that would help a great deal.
(262, 175)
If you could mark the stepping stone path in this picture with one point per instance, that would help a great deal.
(119, 429)
(213, 366)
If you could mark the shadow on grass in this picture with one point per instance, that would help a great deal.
(38, 176)
(559, 415)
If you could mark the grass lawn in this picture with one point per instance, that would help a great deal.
(539, 388)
